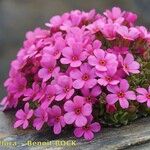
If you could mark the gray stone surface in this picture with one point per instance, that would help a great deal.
(135, 136)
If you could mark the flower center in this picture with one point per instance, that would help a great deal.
(78, 111)
(57, 119)
(85, 77)
(50, 70)
(74, 58)
(86, 127)
(89, 98)
(49, 97)
(126, 66)
(102, 62)
(121, 94)
(148, 95)
(56, 52)
(66, 89)
(107, 78)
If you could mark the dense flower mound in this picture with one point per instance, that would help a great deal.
(84, 70)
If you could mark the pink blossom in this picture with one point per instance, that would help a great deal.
(121, 94)
(144, 95)
(143, 32)
(103, 60)
(119, 50)
(91, 94)
(90, 48)
(73, 55)
(17, 86)
(108, 77)
(77, 111)
(129, 65)
(49, 93)
(64, 88)
(111, 108)
(41, 114)
(128, 33)
(56, 49)
(32, 93)
(114, 14)
(55, 22)
(130, 17)
(88, 129)
(49, 67)
(56, 119)
(109, 31)
(85, 77)
(23, 117)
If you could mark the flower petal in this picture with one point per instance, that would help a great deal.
(87, 110)
(75, 74)
(130, 95)
(18, 123)
(88, 135)
(80, 121)
(69, 118)
(111, 99)
(78, 132)
(141, 98)
(95, 127)
(90, 83)
(141, 91)
(124, 103)
(78, 84)
(92, 60)
(57, 128)
(124, 85)
(69, 106)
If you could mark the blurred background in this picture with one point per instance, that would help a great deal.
(19, 16)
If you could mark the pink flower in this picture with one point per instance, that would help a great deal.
(73, 55)
(56, 119)
(41, 114)
(109, 31)
(121, 94)
(143, 32)
(56, 49)
(88, 129)
(110, 108)
(48, 63)
(32, 93)
(128, 33)
(50, 93)
(118, 50)
(129, 65)
(91, 95)
(17, 86)
(103, 60)
(95, 45)
(64, 88)
(77, 111)
(114, 14)
(55, 22)
(85, 77)
(23, 117)
(130, 17)
(108, 77)
(144, 96)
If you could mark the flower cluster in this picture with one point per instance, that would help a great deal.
(61, 73)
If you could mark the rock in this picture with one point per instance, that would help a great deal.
(133, 136)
